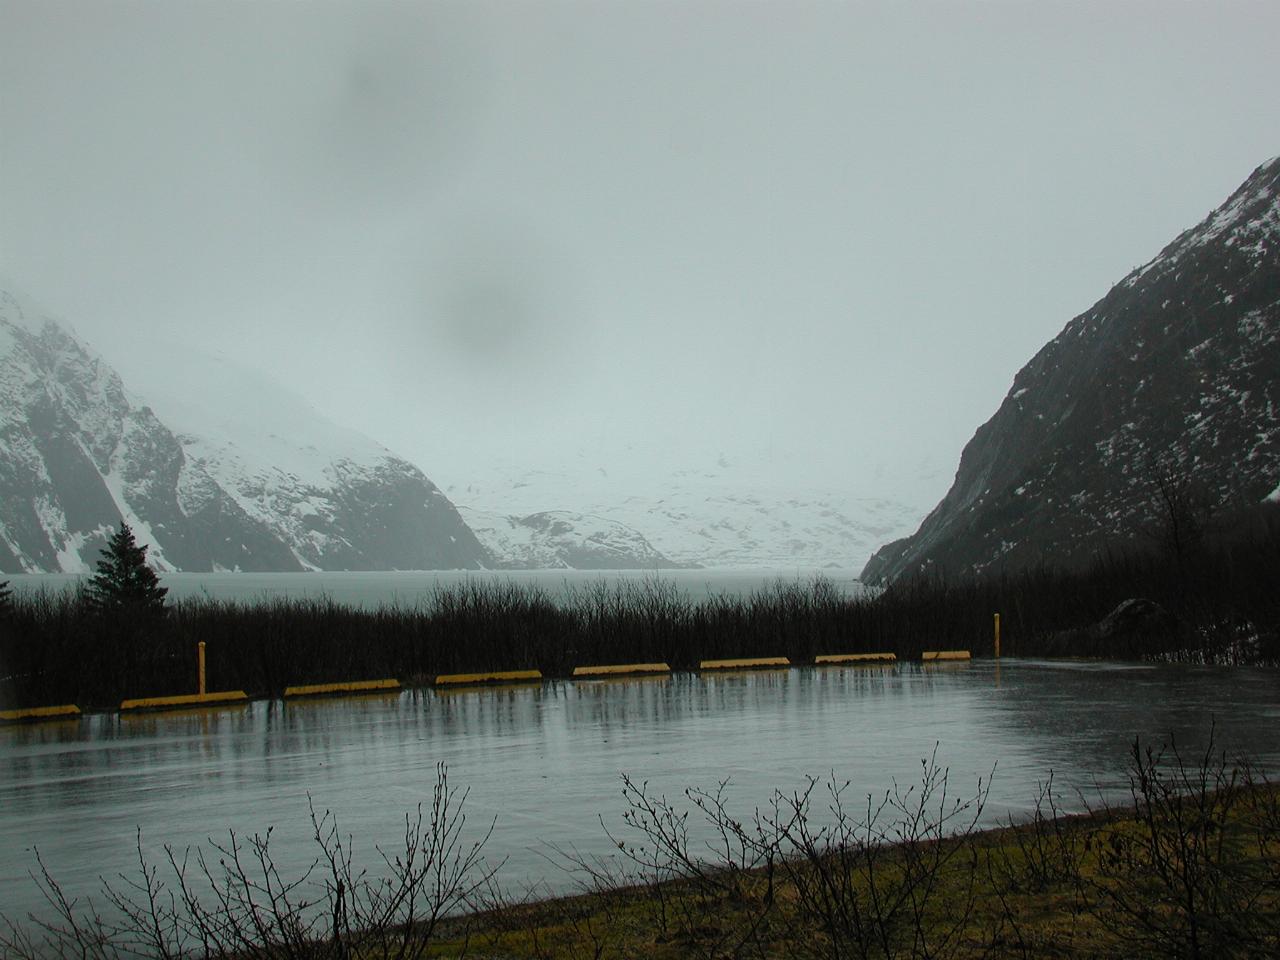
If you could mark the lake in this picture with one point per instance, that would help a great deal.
(544, 760)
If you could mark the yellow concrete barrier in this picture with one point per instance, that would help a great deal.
(929, 655)
(504, 676)
(747, 664)
(39, 713)
(856, 658)
(352, 686)
(185, 700)
(619, 669)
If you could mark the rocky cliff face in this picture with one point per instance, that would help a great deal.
(238, 490)
(1174, 373)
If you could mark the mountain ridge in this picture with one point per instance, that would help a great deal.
(717, 515)
(552, 539)
(79, 452)
(1172, 373)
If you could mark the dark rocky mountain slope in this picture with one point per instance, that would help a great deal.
(1173, 375)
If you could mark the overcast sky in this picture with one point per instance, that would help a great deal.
(816, 237)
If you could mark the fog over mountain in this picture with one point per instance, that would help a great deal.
(511, 241)
(225, 471)
(218, 467)
(708, 510)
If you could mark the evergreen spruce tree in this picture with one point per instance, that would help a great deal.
(124, 580)
(6, 600)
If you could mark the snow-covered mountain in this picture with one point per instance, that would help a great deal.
(559, 538)
(1174, 373)
(720, 515)
(216, 469)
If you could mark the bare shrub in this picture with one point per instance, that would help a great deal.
(714, 895)
(1045, 851)
(232, 900)
(1179, 881)
(871, 884)
(860, 884)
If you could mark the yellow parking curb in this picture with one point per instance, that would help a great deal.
(619, 669)
(186, 700)
(746, 664)
(39, 713)
(446, 679)
(945, 655)
(351, 686)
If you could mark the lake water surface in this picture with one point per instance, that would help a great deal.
(544, 760)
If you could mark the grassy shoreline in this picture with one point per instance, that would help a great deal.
(1012, 906)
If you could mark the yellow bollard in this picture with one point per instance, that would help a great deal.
(997, 636)
(201, 648)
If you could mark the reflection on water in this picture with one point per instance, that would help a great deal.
(544, 759)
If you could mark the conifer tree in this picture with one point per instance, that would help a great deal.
(6, 600)
(124, 580)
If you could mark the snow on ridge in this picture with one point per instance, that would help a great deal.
(20, 311)
(24, 313)
(1227, 218)
(507, 539)
(142, 530)
(238, 420)
(69, 557)
(731, 517)
(1232, 212)
(17, 551)
(561, 539)
(170, 461)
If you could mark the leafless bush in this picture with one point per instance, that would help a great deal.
(865, 885)
(233, 901)
(870, 883)
(696, 884)
(1180, 881)
(1045, 851)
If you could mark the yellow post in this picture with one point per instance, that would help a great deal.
(997, 636)
(201, 648)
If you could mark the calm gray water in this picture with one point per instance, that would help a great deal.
(406, 588)
(545, 760)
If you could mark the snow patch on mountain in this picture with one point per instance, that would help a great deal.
(143, 533)
(1172, 373)
(20, 313)
(224, 412)
(563, 539)
(213, 466)
(722, 515)
(1249, 219)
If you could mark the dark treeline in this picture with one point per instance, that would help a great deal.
(1216, 604)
